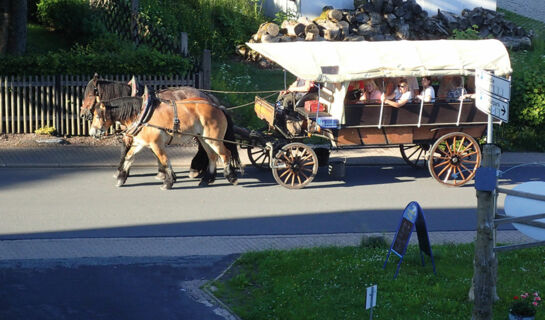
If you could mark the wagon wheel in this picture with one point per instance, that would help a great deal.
(454, 159)
(297, 165)
(414, 154)
(259, 157)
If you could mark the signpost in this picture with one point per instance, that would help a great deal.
(413, 217)
(371, 299)
(492, 95)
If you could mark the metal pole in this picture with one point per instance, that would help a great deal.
(489, 130)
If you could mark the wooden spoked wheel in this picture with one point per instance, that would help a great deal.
(414, 154)
(454, 159)
(297, 165)
(259, 157)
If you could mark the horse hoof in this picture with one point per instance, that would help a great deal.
(194, 174)
(166, 187)
(160, 176)
(120, 183)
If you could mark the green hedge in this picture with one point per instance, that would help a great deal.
(74, 18)
(218, 25)
(107, 56)
(526, 127)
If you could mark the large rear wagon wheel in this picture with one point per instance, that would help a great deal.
(297, 165)
(414, 154)
(259, 157)
(454, 159)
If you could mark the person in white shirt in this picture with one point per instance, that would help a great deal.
(402, 96)
(428, 93)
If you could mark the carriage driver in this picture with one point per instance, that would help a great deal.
(297, 93)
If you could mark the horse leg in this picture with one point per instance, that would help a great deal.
(129, 159)
(164, 164)
(209, 175)
(225, 155)
(125, 146)
(199, 163)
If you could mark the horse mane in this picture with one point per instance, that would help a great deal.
(108, 89)
(124, 108)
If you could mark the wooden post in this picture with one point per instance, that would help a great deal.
(57, 104)
(485, 262)
(206, 69)
(183, 44)
(134, 21)
(2, 103)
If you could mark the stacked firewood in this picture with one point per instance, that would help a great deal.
(383, 20)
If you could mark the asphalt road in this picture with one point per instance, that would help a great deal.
(84, 203)
(110, 289)
(61, 203)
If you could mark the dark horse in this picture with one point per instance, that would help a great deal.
(99, 89)
(155, 123)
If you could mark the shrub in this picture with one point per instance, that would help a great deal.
(467, 34)
(528, 88)
(222, 24)
(46, 131)
(75, 18)
(106, 55)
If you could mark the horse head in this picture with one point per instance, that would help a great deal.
(102, 121)
(98, 90)
(90, 98)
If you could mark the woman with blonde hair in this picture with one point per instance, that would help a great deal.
(371, 91)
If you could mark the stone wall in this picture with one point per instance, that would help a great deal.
(534, 9)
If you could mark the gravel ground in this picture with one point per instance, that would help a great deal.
(35, 140)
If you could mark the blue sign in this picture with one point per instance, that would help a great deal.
(412, 217)
(486, 179)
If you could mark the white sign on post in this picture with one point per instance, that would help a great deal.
(371, 299)
(492, 94)
(498, 86)
(491, 105)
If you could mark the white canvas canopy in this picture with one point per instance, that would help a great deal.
(336, 62)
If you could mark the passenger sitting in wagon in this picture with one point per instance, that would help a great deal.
(428, 93)
(401, 96)
(456, 89)
(354, 91)
(297, 93)
(371, 93)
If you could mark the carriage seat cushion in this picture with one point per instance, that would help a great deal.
(313, 106)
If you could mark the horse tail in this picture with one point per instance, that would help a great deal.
(232, 147)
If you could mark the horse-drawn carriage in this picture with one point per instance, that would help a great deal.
(441, 134)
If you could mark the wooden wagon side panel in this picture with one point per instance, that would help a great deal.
(264, 110)
(433, 114)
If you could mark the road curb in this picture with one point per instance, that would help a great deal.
(12, 250)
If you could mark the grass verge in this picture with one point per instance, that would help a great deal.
(237, 77)
(330, 283)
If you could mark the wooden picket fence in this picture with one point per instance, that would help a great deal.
(28, 103)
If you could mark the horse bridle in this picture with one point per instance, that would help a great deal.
(88, 115)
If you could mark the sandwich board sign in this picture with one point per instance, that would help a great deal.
(492, 94)
(412, 218)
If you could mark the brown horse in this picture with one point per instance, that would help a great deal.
(155, 123)
(99, 89)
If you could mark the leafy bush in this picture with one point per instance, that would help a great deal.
(106, 55)
(75, 18)
(467, 34)
(46, 131)
(525, 130)
(218, 25)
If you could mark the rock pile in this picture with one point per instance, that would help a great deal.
(383, 20)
